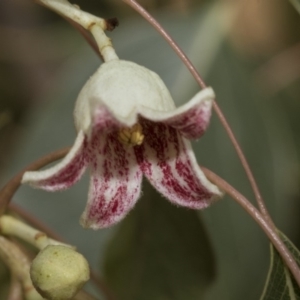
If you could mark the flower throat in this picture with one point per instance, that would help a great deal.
(132, 136)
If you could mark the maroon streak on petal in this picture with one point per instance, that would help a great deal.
(192, 123)
(115, 181)
(168, 162)
(190, 119)
(64, 174)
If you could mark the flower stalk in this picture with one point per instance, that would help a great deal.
(104, 43)
(15, 289)
(13, 227)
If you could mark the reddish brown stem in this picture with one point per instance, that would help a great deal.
(270, 231)
(11, 187)
(15, 289)
(217, 109)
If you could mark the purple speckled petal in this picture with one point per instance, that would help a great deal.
(115, 181)
(65, 173)
(168, 161)
(190, 119)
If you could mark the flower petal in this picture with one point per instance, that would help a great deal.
(168, 161)
(116, 81)
(65, 173)
(115, 181)
(191, 119)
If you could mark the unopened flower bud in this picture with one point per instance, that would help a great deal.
(59, 272)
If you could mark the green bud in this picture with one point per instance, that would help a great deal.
(59, 272)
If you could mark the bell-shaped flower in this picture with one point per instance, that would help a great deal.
(128, 126)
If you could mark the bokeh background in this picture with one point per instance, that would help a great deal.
(249, 52)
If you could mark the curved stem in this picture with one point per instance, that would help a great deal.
(270, 231)
(19, 264)
(15, 289)
(259, 199)
(11, 187)
(217, 109)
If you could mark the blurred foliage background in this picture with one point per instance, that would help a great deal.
(249, 52)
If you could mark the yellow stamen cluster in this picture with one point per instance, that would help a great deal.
(132, 136)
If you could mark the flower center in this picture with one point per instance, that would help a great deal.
(132, 136)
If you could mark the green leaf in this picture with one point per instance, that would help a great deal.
(280, 283)
(160, 252)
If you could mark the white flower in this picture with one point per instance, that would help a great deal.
(128, 126)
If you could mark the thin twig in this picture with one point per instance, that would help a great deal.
(259, 219)
(217, 109)
(19, 264)
(15, 289)
(11, 187)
